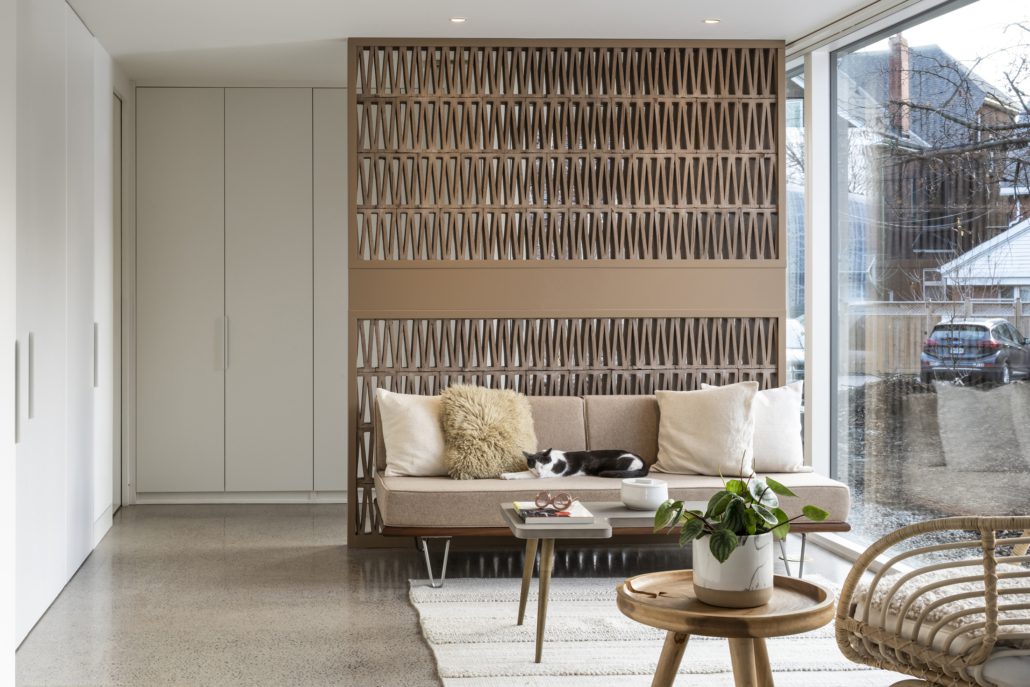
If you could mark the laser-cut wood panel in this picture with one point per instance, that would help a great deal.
(577, 168)
(473, 152)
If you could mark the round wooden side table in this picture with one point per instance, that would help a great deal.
(666, 600)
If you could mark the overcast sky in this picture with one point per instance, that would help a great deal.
(981, 31)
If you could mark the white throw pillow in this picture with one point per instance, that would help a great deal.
(777, 440)
(412, 434)
(707, 432)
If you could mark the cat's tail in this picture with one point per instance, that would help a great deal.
(624, 473)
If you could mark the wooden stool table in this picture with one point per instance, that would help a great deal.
(666, 600)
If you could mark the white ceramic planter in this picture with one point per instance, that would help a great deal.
(644, 493)
(745, 580)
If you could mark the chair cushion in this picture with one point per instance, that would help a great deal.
(444, 502)
(960, 627)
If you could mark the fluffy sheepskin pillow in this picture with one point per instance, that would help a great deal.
(485, 431)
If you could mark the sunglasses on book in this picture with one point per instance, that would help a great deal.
(559, 501)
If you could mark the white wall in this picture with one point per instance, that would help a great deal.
(7, 332)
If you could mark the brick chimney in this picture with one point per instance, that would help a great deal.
(897, 84)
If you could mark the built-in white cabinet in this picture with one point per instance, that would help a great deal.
(268, 290)
(42, 511)
(234, 186)
(56, 321)
(330, 287)
(180, 276)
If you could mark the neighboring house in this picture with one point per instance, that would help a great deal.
(997, 268)
(903, 112)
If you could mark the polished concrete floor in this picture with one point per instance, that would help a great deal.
(262, 595)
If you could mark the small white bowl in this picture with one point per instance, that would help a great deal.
(644, 493)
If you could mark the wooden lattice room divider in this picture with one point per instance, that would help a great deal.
(560, 217)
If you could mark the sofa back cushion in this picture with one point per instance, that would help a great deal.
(626, 422)
(557, 420)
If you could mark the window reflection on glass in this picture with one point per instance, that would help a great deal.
(795, 226)
(931, 191)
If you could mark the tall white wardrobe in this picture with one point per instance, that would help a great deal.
(241, 293)
(64, 302)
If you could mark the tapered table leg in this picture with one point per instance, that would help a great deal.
(546, 567)
(765, 678)
(527, 575)
(672, 656)
(742, 654)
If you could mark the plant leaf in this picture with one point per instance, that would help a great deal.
(778, 488)
(781, 530)
(665, 515)
(717, 504)
(763, 493)
(721, 543)
(766, 515)
(691, 530)
(735, 486)
(735, 517)
(815, 513)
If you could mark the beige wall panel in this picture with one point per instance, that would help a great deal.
(180, 290)
(268, 282)
(590, 291)
(330, 307)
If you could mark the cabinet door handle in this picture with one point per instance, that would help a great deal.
(225, 343)
(96, 355)
(31, 373)
(17, 391)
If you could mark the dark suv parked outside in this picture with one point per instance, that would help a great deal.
(984, 349)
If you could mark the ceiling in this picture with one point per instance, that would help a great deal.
(274, 42)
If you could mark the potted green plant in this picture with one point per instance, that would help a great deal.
(733, 539)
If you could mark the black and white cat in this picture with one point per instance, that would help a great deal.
(554, 463)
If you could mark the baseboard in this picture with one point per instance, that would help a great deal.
(154, 498)
(102, 525)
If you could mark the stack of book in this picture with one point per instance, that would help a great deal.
(531, 514)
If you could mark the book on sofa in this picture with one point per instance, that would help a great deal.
(575, 514)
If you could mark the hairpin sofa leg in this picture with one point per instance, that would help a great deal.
(783, 554)
(423, 543)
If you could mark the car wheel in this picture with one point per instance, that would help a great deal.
(1006, 374)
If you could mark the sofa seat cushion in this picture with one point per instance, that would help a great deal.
(444, 502)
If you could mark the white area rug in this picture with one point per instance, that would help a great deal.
(470, 626)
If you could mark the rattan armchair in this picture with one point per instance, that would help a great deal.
(954, 610)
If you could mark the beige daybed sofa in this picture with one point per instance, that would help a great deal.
(441, 506)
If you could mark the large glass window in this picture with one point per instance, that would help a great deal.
(795, 225)
(931, 192)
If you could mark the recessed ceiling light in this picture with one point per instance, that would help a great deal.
(707, 21)
(459, 20)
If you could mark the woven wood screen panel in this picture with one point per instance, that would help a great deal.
(561, 219)
(469, 152)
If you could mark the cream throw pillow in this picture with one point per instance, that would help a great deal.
(485, 431)
(412, 434)
(777, 439)
(706, 432)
